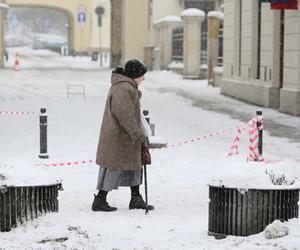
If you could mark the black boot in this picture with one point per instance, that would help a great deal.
(100, 203)
(137, 202)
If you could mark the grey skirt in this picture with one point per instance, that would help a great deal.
(113, 179)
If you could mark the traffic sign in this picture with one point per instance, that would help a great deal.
(81, 17)
(99, 10)
(276, 1)
(291, 5)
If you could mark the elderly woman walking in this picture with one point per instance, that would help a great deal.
(122, 138)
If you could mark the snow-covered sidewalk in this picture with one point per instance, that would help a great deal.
(177, 179)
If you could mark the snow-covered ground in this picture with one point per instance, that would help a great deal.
(177, 180)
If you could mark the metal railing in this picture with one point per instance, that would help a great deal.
(177, 45)
(220, 54)
(241, 212)
(203, 54)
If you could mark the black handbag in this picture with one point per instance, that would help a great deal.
(146, 156)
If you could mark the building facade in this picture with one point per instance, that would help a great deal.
(262, 55)
(132, 33)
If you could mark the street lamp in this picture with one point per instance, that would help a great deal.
(99, 12)
(3, 7)
(67, 30)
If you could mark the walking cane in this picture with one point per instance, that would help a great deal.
(146, 113)
(146, 188)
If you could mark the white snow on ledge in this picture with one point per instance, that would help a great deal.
(3, 6)
(203, 66)
(218, 14)
(218, 69)
(176, 65)
(193, 12)
(168, 19)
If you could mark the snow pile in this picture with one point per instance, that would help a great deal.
(170, 19)
(50, 38)
(176, 65)
(26, 175)
(276, 230)
(157, 142)
(255, 175)
(3, 6)
(62, 235)
(192, 12)
(204, 66)
(217, 14)
(2, 177)
(218, 69)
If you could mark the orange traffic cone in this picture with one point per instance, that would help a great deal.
(17, 62)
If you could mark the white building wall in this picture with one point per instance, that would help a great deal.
(1, 40)
(290, 93)
(228, 38)
(246, 39)
(162, 8)
(291, 52)
(243, 84)
(266, 57)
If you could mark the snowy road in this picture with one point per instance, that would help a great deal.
(178, 178)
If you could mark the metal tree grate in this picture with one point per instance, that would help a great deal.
(19, 204)
(242, 213)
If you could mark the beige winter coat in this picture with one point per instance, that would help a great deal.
(121, 134)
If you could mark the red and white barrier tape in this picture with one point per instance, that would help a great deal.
(63, 164)
(194, 139)
(253, 140)
(86, 162)
(234, 149)
(76, 163)
(269, 161)
(17, 113)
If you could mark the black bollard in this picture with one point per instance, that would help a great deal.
(260, 132)
(152, 125)
(101, 57)
(146, 114)
(43, 134)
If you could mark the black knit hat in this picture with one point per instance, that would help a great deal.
(135, 69)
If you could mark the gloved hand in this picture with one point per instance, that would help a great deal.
(146, 156)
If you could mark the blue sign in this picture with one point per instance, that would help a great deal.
(47, 23)
(81, 17)
(14, 20)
